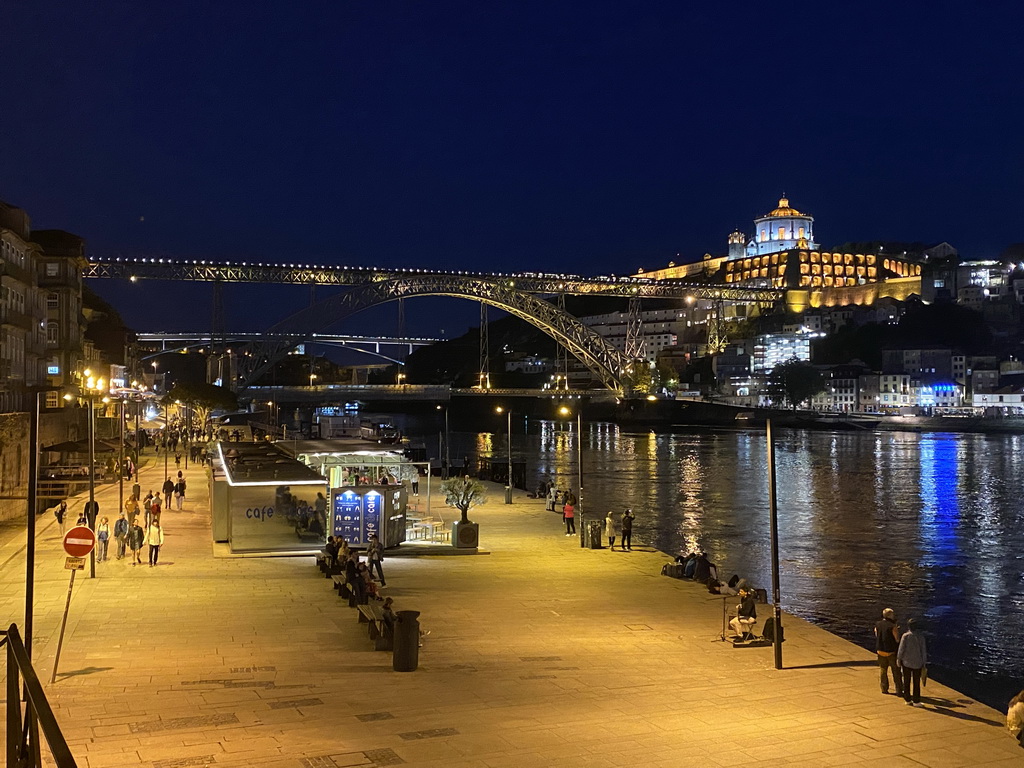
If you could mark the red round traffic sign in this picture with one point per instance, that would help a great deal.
(79, 541)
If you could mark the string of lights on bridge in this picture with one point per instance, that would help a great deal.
(201, 270)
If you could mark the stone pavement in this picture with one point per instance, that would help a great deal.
(540, 654)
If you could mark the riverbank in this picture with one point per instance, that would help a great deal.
(541, 653)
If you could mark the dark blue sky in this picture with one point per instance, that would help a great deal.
(590, 137)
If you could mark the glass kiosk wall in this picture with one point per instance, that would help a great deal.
(358, 511)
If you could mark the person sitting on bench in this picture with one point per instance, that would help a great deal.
(331, 550)
(746, 615)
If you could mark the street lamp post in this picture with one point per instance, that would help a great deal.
(565, 412)
(93, 387)
(120, 463)
(508, 484)
(447, 456)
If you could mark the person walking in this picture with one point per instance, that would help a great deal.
(102, 540)
(168, 489)
(155, 539)
(60, 512)
(569, 515)
(886, 645)
(610, 525)
(136, 538)
(375, 556)
(131, 508)
(912, 655)
(627, 529)
(121, 534)
(179, 491)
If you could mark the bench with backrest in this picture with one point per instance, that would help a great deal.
(378, 630)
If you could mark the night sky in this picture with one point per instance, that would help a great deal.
(590, 137)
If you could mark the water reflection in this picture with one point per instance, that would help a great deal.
(931, 525)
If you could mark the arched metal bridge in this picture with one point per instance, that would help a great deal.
(515, 293)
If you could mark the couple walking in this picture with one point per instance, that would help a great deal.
(906, 656)
(613, 525)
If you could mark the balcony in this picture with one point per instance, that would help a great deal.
(22, 275)
(20, 320)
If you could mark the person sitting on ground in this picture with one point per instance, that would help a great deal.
(715, 587)
(704, 569)
(689, 563)
(746, 615)
(1015, 717)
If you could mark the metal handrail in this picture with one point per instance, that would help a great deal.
(22, 733)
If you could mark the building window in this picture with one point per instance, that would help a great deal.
(782, 233)
(801, 237)
(52, 269)
(52, 333)
(52, 301)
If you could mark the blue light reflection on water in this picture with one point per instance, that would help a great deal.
(931, 525)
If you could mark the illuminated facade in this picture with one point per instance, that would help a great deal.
(781, 229)
(814, 269)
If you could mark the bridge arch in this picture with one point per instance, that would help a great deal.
(608, 363)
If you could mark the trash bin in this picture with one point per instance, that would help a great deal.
(594, 532)
(406, 654)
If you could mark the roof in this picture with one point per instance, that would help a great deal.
(784, 210)
(265, 464)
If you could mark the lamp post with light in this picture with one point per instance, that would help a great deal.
(447, 457)
(92, 389)
(508, 484)
(564, 411)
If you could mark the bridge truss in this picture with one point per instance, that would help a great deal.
(525, 282)
(515, 293)
(608, 363)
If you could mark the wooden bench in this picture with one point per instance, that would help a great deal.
(378, 631)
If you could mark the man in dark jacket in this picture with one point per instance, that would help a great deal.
(168, 490)
(704, 569)
(886, 645)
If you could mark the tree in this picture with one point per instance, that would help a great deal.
(641, 377)
(795, 381)
(202, 398)
(463, 493)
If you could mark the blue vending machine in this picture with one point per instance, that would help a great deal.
(359, 511)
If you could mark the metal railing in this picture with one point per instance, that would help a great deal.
(23, 727)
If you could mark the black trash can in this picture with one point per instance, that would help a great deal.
(406, 654)
(595, 530)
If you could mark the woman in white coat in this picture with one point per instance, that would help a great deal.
(155, 539)
(611, 529)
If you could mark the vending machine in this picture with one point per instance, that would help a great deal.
(359, 511)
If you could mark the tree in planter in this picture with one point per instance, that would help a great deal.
(463, 493)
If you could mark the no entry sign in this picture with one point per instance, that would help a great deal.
(79, 541)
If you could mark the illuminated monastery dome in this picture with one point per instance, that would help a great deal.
(781, 229)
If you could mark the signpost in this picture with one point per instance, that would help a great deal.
(78, 543)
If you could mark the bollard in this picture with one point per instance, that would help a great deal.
(406, 655)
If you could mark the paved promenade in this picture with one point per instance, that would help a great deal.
(540, 654)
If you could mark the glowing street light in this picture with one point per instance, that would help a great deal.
(508, 484)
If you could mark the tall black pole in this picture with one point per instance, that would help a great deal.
(91, 516)
(773, 507)
(30, 549)
(120, 463)
(508, 486)
(579, 470)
